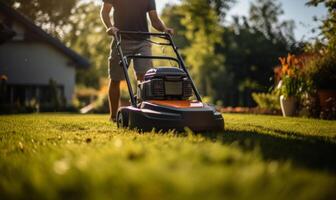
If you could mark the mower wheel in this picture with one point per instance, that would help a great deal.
(122, 118)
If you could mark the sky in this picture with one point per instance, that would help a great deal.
(294, 9)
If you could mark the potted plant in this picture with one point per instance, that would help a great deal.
(321, 71)
(290, 85)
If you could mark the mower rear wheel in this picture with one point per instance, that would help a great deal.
(122, 118)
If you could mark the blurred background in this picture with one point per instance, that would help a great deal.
(53, 53)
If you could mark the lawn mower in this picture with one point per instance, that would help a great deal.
(167, 98)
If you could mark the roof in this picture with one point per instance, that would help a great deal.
(78, 60)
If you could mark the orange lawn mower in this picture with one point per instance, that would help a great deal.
(167, 99)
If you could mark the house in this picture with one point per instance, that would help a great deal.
(31, 59)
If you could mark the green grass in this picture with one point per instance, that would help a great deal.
(64, 156)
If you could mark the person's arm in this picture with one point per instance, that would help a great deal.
(105, 17)
(158, 24)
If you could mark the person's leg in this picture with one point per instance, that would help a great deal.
(113, 97)
(142, 65)
(116, 75)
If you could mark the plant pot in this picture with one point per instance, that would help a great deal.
(326, 98)
(288, 105)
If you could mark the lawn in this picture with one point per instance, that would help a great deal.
(68, 156)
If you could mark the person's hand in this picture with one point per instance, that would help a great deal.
(112, 31)
(170, 31)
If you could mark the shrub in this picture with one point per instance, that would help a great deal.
(267, 100)
(321, 72)
(85, 95)
(101, 104)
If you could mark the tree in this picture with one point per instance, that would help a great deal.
(203, 31)
(87, 36)
(264, 17)
(172, 16)
(328, 29)
(251, 47)
(228, 63)
(51, 15)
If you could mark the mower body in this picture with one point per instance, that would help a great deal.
(173, 115)
(167, 99)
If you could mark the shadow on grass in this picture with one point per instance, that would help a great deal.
(313, 152)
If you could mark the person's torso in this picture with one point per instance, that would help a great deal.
(131, 15)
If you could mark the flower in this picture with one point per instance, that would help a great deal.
(291, 75)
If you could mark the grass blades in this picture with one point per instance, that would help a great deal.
(67, 156)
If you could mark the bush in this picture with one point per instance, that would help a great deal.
(321, 72)
(267, 100)
(85, 95)
(101, 104)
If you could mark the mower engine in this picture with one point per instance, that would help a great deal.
(165, 83)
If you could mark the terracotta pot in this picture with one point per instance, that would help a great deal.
(326, 98)
(288, 105)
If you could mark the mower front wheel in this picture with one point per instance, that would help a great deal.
(122, 118)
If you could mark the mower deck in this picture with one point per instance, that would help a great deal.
(161, 116)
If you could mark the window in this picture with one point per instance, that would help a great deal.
(23, 94)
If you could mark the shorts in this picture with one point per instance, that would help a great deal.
(130, 47)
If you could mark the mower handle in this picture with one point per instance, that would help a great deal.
(160, 35)
(165, 35)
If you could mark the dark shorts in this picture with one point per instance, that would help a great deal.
(130, 47)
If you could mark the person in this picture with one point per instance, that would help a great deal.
(129, 15)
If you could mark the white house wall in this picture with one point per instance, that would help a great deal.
(36, 63)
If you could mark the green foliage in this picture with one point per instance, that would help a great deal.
(251, 47)
(321, 71)
(267, 100)
(264, 17)
(293, 82)
(328, 29)
(87, 36)
(101, 104)
(248, 68)
(224, 60)
(51, 15)
(203, 31)
(291, 87)
(172, 16)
